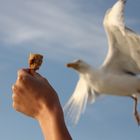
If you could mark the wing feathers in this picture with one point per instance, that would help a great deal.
(78, 101)
(124, 44)
(115, 16)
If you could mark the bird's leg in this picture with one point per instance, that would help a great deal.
(137, 116)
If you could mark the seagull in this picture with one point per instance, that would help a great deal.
(118, 75)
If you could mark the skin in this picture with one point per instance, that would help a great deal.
(35, 97)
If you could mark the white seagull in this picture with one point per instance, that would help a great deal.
(118, 74)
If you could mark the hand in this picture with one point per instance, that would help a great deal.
(31, 94)
(34, 96)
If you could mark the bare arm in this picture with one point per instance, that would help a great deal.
(34, 96)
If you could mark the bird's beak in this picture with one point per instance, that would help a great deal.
(71, 65)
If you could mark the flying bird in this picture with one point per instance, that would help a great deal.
(118, 75)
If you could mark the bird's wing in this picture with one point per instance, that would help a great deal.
(115, 15)
(78, 101)
(124, 44)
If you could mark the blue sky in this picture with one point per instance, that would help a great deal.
(62, 31)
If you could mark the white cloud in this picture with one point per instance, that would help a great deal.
(48, 21)
(66, 26)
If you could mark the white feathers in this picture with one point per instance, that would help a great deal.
(83, 94)
(117, 75)
(126, 48)
(77, 103)
(115, 16)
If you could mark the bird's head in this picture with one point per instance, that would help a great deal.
(78, 65)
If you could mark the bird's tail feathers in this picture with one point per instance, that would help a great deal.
(75, 107)
(92, 96)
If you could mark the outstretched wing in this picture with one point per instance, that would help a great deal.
(124, 44)
(78, 101)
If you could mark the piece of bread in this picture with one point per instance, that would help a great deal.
(35, 61)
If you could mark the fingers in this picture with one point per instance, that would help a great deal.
(22, 74)
(16, 96)
(17, 90)
(25, 77)
(20, 98)
(23, 101)
(26, 72)
(31, 92)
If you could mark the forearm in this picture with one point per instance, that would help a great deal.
(54, 128)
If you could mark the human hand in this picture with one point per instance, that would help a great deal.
(32, 95)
